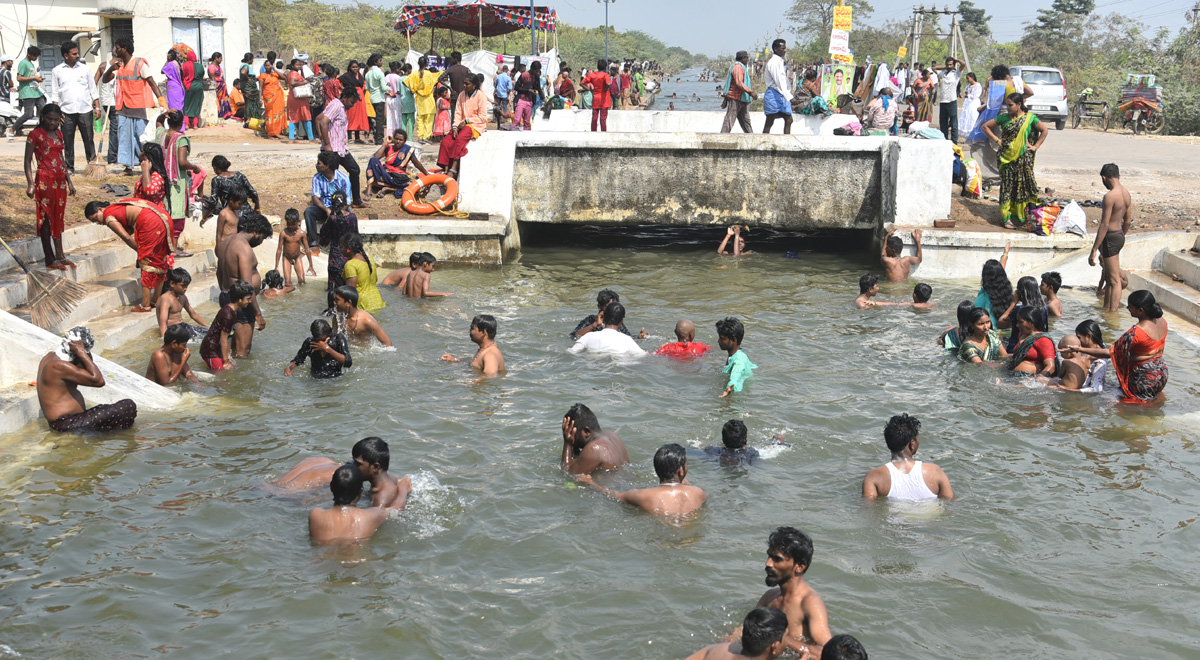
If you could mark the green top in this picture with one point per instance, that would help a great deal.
(738, 366)
(30, 89)
(374, 81)
(641, 83)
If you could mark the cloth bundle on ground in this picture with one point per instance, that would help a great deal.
(1071, 219)
(974, 184)
(1040, 219)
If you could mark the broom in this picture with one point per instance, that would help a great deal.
(49, 301)
(97, 170)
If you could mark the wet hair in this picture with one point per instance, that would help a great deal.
(67, 46)
(256, 223)
(1090, 329)
(427, 257)
(486, 323)
(996, 284)
(976, 314)
(965, 308)
(775, 44)
(999, 72)
(668, 460)
(290, 216)
(583, 417)
(867, 281)
(346, 484)
(220, 164)
(1144, 300)
(179, 276)
(354, 243)
(176, 334)
(175, 118)
(922, 292)
(1053, 280)
(329, 159)
(321, 329)
(374, 451)
(761, 628)
(1031, 298)
(1110, 171)
(895, 244)
(414, 259)
(1019, 99)
(272, 280)
(125, 43)
(1026, 314)
(239, 290)
(900, 430)
(733, 434)
(154, 153)
(347, 293)
(606, 296)
(614, 313)
(732, 328)
(843, 647)
(792, 543)
(94, 206)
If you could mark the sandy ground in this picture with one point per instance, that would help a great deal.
(1157, 170)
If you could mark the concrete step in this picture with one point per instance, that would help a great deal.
(95, 261)
(73, 240)
(1185, 265)
(19, 405)
(1178, 297)
(118, 289)
(117, 327)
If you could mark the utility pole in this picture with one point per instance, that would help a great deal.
(1193, 16)
(606, 3)
(533, 28)
(955, 34)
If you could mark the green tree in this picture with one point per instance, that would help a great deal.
(1062, 21)
(812, 20)
(975, 18)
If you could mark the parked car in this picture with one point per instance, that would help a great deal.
(1049, 100)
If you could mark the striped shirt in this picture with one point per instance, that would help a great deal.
(323, 188)
(336, 113)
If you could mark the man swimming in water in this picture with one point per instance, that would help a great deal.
(789, 553)
(488, 358)
(762, 638)
(587, 448)
(373, 458)
(592, 323)
(735, 451)
(344, 521)
(685, 347)
(905, 478)
(673, 496)
(896, 267)
(59, 376)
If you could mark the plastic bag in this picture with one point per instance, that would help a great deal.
(1041, 219)
(1071, 219)
(974, 185)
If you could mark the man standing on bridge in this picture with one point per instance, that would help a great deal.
(738, 94)
(777, 102)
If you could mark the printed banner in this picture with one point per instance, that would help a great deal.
(839, 42)
(842, 18)
(902, 52)
(836, 79)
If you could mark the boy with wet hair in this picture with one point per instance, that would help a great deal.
(735, 449)
(372, 457)
(673, 496)
(762, 638)
(230, 215)
(896, 267)
(843, 647)
(1051, 282)
(169, 363)
(397, 277)
(216, 349)
(293, 244)
(173, 301)
(905, 478)
(344, 521)
(685, 347)
(357, 322)
(921, 295)
(328, 350)
(739, 367)
(868, 288)
(416, 284)
(586, 447)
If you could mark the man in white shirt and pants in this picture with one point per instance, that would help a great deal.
(948, 76)
(74, 90)
(777, 101)
(610, 339)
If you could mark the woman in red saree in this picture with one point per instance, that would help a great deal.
(145, 227)
(1137, 356)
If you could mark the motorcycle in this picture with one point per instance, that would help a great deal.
(1142, 114)
(8, 114)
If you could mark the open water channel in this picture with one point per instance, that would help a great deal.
(1073, 535)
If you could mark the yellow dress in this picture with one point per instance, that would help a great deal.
(422, 87)
(370, 108)
(367, 282)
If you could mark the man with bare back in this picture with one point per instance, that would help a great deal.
(1110, 236)
(59, 376)
(586, 447)
(344, 521)
(227, 219)
(673, 497)
(416, 284)
(236, 261)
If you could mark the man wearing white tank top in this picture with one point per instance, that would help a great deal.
(904, 478)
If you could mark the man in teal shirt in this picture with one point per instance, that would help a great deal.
(29, 88)
(375, 83)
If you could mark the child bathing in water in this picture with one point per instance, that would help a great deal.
(174, 301)
(357, 322)
(293, 243)
(329, 352)
(169, 363)
(273, 286)
(921, 295)
(730, 332)
(739, 244)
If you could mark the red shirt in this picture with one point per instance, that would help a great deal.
(600, 96)
(1043, 349)
(682, 351)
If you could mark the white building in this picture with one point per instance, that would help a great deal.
(208, 26)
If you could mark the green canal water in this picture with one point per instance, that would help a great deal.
(1074, 534)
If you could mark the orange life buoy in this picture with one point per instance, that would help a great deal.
(409, 202)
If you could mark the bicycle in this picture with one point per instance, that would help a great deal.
(1085, 108)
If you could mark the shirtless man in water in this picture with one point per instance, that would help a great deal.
(1110, 236)
(344, 521)
(586, 448)
(416, 283)
(371, 456)
(789, 552)
(236, 261)
(763, 630)
(896, 267)
(488, 358)
(59, 376)
(397, 277)
(673, 496)
(359, 323)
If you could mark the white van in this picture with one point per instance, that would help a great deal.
(1049, 100)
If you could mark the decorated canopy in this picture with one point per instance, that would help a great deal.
(474, 17)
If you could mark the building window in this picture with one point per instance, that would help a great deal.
(205, 35)
(119, 27)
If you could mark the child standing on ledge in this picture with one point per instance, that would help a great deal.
(739, 367)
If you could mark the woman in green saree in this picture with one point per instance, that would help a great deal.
(982, 345)
(1017, 146)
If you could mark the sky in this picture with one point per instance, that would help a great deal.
(715, 27)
